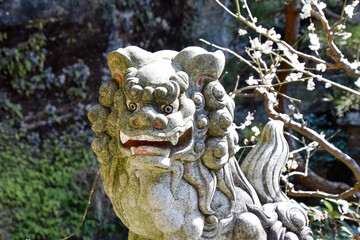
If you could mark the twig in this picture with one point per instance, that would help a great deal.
(87, 206)
(292, 136)
(233, 53)
(245, 95)
(346, 194)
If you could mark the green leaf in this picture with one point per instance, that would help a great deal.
(28, 65)
(328, 205)
(345, 229)
(77, 74)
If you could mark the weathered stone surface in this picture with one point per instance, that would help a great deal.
(166, 139)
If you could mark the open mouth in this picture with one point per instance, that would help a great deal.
(145, 144)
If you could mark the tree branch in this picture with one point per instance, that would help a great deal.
(291, 49)
(334, 51)
(339, 59)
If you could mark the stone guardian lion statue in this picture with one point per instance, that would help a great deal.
(166, 142)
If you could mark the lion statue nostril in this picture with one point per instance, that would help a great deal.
(160, 122)
(135, 122)
(158, 125)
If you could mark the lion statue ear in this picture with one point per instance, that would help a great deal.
(123, 58)
(119, 62)
(198, 62)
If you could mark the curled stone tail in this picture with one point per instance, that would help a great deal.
(262, 166)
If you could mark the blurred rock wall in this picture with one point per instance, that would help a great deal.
(76, 36)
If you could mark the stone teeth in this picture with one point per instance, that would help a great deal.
(132, 149)
(150, 151)
(174, 139)
(143, 137)
(124, 138)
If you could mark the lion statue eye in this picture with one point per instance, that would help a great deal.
(167, 109)
(132, 106)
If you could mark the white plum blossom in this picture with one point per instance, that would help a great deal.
(293, 77)
(251, 81)
(294, 60)
(345, 35)
(268, 78)
(255, 43)
(297, 115)
(344, 205)
(245, 141)
(339, 32)
(285, 117)
(349, 10)
(255, 130)
(306, 11)
(247, 122)
(282, 47)
(273, 69)
(272, 98)
(357, 82)
(321, 67)
(311, 27)
(341, 27)
(318, 216)
(355, 65)
(291, 107)
(261, 29)
(328, 85)
(298, 65)
(242, 32)
(257, 54)
(310, 85)
(321, 5)
(252, 138)
(249, 117)
(314, 42)
(292, 164)
(272, 33)
(267, 47)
